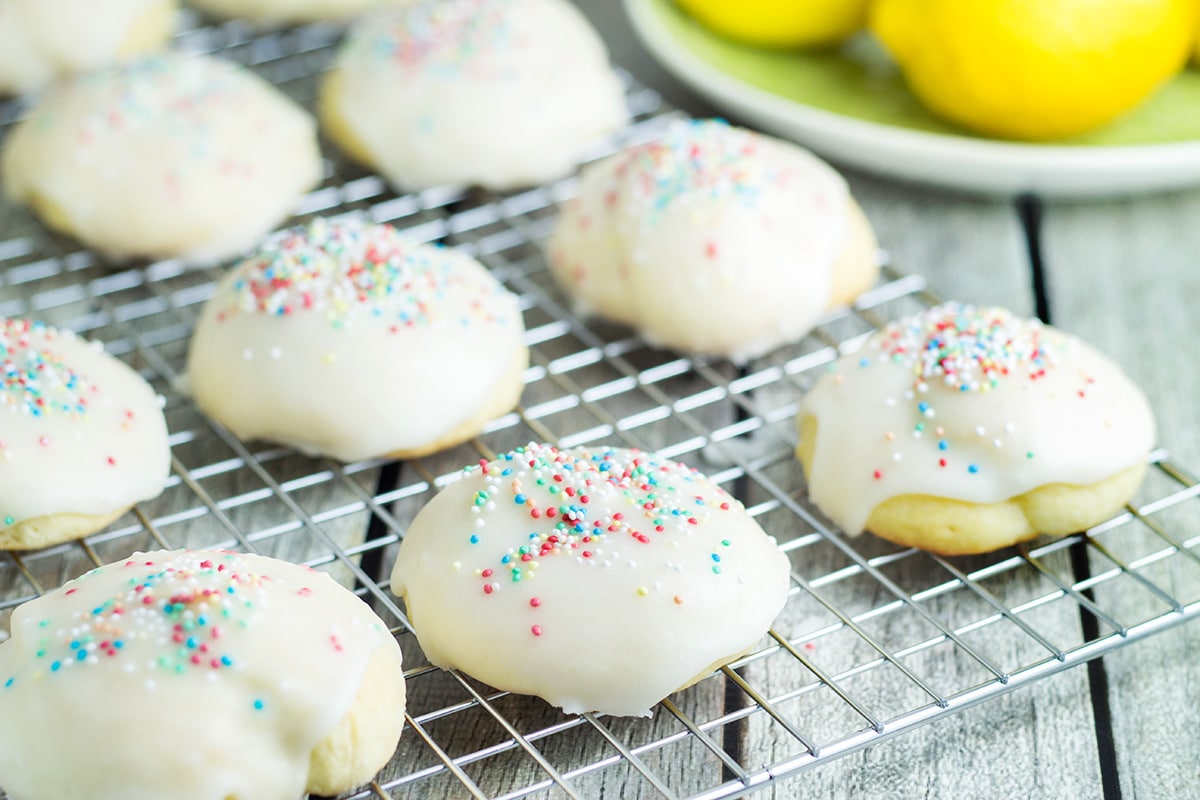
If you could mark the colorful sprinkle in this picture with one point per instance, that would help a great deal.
(35, 379)
(344, 270)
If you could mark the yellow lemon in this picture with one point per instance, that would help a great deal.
(781, 23)
(1035, 69)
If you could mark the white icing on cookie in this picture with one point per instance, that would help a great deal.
(41, 40)
(499, 93)
(190, 675)
(172, 156)
(712, 239)
(353, 341)
(598, 579)
(971, 404)
(80, 432)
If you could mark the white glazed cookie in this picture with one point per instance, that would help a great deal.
(965, 429)
(82, 436)
(352, 341)
(713, 239)
(598, 579)
(172, 156)
(197, 675)
(41, 40)
(273, 11)
(498, 93)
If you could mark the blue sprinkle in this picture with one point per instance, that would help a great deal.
(474, 538)
(168, 608)
(9, 682)
(56, 666)
(519, 499)
(227, 661)
(74, 645)
(943, 444)
(191, 643)
(922, 407)
(118, 644)
(973, 468)
(259, 705)
(863, 362)
(716, 557)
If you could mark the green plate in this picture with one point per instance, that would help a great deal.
(852, 105)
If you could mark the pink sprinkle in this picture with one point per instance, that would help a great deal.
(44, 441)
(535, 601)
(536, 630)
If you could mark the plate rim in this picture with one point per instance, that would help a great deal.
(961, 162)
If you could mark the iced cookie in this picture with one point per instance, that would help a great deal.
(963, 430)
(172, 156)
(498, 93)
(197, 675)
(42, 40)
(349, 340)
(599, 579)
(713, 240)
(82, 437)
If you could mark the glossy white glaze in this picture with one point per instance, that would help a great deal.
(174, 155)
(80, 432)
(598, 579)
(500, 93)
(711, 239)
(353, 341)
(191, 675)
(41, 40)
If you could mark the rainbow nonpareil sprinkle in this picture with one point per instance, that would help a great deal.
(345, 269)
(35, 379)
(556, 488)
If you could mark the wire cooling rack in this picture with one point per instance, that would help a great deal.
(874, 641)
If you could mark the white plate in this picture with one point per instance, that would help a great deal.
(955, 161)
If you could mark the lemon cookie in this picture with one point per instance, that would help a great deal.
(713, 239)
(197, 675)
(171, 156)
(496, 93)
(965, 429)
(599, 579)
(41, 40)
(353, 341)
(82, 437)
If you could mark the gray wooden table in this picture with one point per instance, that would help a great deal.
(1122, 273)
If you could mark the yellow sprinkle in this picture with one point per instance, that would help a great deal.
(330, 358)
(643, 591)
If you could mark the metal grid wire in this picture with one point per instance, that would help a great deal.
(874, 641)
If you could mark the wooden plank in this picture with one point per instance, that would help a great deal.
(1125, 275)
